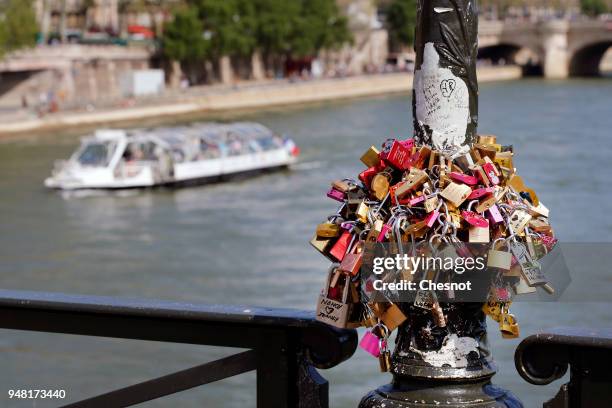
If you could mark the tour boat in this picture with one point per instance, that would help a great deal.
(200, 153)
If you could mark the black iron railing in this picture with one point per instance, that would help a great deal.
(284, 345)
(545, 357)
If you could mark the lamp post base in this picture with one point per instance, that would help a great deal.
(414, 393)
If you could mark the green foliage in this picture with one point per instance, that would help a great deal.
(300, 27)
(18, 27)
(401, 18)
(183, 38)
(236, 28)
(230, 25)
(593, 8)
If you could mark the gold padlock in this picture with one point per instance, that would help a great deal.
(493, 309)
(384, 359)
(380, 185)
(362, 212)
(328, 230)
(508, 326)
(487, 139)
(455, 193)
(370, 158)
(392, 317)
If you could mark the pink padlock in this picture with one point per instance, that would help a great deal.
(417, 200)
(494, 215)
(463, 178)
(431, 218)
(479, 192)
(336, 194)
(475, 219)
(372, 344)
(383, 233)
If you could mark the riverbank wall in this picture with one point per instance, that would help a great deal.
(239, 98)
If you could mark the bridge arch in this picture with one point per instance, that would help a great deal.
(511, 53)
(586, 60)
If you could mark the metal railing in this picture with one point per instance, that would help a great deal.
(284, 345)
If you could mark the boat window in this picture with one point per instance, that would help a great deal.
(96, 154)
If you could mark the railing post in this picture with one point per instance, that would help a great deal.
(445, 109)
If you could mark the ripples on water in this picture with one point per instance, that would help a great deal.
(247, 242)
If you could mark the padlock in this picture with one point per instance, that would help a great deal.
(455, 193)
(336, 194)
(375, 231)
(431, 203)
(494, 215)
(530, 270)
(322, 245)
(333, 312)
(482, 176)
(516, 183)
(508, 326)
(342, 185)
(463, 178)
(370, 343)
(421, 157)
(380, 185)
(328, 230)
(487, 139)
(486, 204)
(486, 151)
(431, 218)
(499, 259)
(518, 220)
(351, 263)
(384, 360)
(504, 160)
(474, 219)
(414, 179)
(338, 250)
(368, 174)
(371, 157)
(362, 212)
(479, 234)
(383, 232)
(493, 309)
(393, 317)
(480, 192)
(396, 155)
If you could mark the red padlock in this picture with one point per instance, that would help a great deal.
(396, 154)
(339, 249)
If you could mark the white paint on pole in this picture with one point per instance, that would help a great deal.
(442, 101)
(453, 352)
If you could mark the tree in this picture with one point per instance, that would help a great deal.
(183, 38)
(18, 27)
(401, 19)
(299, 28)
(593, 8)
(230, 26)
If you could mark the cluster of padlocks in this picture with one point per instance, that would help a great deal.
(412, 193)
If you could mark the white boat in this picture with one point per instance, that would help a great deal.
(117, 159)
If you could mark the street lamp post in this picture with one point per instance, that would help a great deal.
(450, 366)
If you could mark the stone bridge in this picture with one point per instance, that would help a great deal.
(560, 48)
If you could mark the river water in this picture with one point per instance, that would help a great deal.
(246, 242)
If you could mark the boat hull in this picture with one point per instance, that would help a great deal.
(197, 181)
